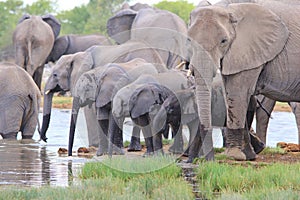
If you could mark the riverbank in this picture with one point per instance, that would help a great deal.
(66, 103)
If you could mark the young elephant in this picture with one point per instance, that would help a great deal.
(99, 86)
(120, 108)
(19, 100)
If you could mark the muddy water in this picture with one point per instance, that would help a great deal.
(35, 163)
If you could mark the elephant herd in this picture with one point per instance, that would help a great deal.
(233, 61)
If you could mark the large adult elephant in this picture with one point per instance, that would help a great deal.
(19, 102)
(255, 46)
(33, 40)
(70, 44)
(69, 68)
(99, 86)
(162, 29)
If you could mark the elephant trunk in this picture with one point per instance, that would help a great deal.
(159, 120)
(203, 97)
(46, 115)
(75, 110)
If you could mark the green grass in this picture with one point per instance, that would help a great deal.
(243, 182)
(154, 178)
(273, 151)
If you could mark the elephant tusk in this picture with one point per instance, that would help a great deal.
(189, 73)
(48, 91)
(179, 66)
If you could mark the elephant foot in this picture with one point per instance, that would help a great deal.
(134, 146)
(147, 154)
(249, 152)
(176, 149)
(101, 151)
(159, 152)
(118, 151)
(256, 143)
(235, 153)
(210, 156)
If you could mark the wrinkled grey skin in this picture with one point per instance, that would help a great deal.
(164, 30)
(19, 100)
(247, 70)
(33, 40)
(262, 117)
(68, 69)
(100, 85)
(145, 96)
(180, 109)
(70, 44)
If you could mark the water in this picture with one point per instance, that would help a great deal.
(35, 163)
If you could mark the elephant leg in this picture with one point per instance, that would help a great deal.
(296, 111)
(234, 140)
(177, 146)
(9, 136)
(115, 137)
(135, 144)
(157, 143)
(38, 75)
(148, 140)
(256, 143)
(238, 98)
(195, 143)
(262, 118)
(92, 126)
(248, 149)
(223, 131)
(207, 144)
(103, 144)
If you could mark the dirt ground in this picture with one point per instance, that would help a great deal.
(261, 160)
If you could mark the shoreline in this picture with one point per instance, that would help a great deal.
(66, 103)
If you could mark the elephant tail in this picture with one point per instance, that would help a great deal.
(28, 62)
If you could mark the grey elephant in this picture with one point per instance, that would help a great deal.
(162, 29)
(99, 86)
(120, 103)
(69, 68)
(146, 97)
(70, 44)
(249, 65)
(19, 100)
(33, 40)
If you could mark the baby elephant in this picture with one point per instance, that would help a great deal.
(19, 102)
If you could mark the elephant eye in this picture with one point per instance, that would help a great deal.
(224, 41)
(54, 75)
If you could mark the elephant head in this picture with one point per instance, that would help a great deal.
(119, 26)
(33, 40)
(64, 75)
(234, 39)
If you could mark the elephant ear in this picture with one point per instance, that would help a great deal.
(260, 36)
(60, 47)
(118, 26)
(53, 22)
(143, 98)
(108, 85)
(24, 17)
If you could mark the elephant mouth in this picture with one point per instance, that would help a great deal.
(57, 88)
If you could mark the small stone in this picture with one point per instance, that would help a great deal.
(83, 150)
(281, 144)
(62, 151)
